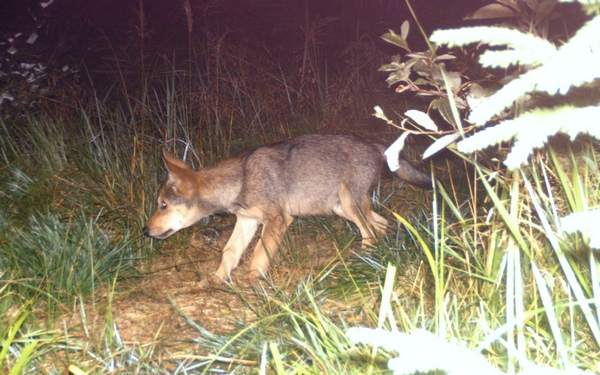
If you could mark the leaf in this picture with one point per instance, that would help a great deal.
(32, 38)
(379, 113)
(494, 36)
(533, 129)
(501, 100)
(477, 95)
(492, 11)
(397, 76)
(581, 52)
(393, 151)
(404, 29)
(46, 4)
(390, 67)
(395, 39)
(504, 59)
(24, 358)
(422, 81)
(422, 119)
(453, 78)
(445, 57)
(440, 144)
(443, 107)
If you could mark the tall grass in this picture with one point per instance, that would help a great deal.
(508, 258)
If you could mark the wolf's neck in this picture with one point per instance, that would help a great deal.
(221, 185)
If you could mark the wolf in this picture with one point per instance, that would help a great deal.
(272, 184)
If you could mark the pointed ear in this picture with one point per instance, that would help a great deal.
(176, 167)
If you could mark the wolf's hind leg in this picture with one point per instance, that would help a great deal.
(379, 223)
(362, 215)
(243, 232)
(274, 229)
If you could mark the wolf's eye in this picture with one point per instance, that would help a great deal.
(163, 205)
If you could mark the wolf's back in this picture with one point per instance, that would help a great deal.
(308, 172)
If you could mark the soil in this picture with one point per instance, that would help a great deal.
(177, 284)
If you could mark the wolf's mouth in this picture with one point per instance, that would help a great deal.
(164, 234)
(161, 236)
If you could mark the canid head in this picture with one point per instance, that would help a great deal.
(179, 204)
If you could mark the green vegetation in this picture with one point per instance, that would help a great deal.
(483, 260)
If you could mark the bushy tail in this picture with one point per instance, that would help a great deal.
(412, 175)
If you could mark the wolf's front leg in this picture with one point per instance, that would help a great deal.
(272, 233)
(243, 232)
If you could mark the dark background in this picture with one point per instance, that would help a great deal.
(86, 30)
(103, 41)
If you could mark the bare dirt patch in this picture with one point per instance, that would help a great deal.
(150, 307)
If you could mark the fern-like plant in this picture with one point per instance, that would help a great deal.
(549, 70)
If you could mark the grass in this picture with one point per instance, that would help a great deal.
(478, 260)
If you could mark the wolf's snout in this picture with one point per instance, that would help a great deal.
(150, 232)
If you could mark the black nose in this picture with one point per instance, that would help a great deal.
(145, 230)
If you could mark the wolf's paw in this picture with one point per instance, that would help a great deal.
(218, 278)
(253, 275)
(367, 244)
